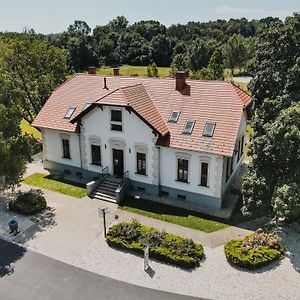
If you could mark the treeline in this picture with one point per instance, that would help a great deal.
(191, 46)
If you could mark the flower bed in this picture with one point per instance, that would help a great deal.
(255, 250)
(28, 203)
(167, 247)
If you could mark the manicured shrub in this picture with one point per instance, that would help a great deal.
(163, 246)
(255, 250)
(28, 203)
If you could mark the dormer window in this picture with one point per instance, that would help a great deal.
(209, 129)
(70, 112)
(174, 116)
(116, 120)
(188, 127)
(85, 106)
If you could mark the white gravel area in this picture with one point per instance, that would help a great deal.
(214, 279)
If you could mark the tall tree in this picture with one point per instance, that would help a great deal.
(15, 148)
(235, 52)
(274, 170)
(30, 69)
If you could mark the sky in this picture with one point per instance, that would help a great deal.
(51, 16)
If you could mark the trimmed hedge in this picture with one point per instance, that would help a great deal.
(166, 247)
(28, 203)
(254, 251)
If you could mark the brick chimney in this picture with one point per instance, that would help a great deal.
(116, 71)
(92, 70)
(180, 80)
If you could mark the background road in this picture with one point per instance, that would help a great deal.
(25, 274)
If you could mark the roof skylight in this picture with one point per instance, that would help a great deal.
(70, 112)
(85, 106)
(188, 127)
(209, 129)
(174, 116)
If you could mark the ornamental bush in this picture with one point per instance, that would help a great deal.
(162, 245)
(255, 250)
(28, 203)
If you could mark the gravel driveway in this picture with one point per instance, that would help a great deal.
(214, 279)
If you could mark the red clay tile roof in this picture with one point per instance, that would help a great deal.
(154, 100)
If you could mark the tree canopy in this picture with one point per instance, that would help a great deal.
(275, 150)
(30, 68)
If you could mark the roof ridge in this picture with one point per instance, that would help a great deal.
(113, 91)
(156, 107)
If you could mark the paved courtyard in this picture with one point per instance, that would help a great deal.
(72, 232)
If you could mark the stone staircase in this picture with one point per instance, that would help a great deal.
(106, 191)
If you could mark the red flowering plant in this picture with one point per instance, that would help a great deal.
(259, 239)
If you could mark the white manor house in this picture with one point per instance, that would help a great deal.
(172, 140)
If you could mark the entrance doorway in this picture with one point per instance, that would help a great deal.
(118, 162)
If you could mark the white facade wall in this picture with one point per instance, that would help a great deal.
(169, 165)
(53, 149)
(135, 137)
(236, 162)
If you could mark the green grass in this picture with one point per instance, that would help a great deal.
(127, 70)
(48, 183)
(27, 128)
(172, 215)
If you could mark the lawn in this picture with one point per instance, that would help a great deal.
(27, 128)
(127, 70)
(172, 215)
(48, 183)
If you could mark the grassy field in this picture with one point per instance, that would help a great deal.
(172, 215)
(127, 70)
(27, 128)
(46, 182)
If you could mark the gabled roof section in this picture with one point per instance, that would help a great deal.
(141, 102)
(136, 98)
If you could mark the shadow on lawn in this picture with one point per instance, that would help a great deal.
(237, 219)
(9, 254)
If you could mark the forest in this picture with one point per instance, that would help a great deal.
(192, 46)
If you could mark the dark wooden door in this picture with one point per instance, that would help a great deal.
(118, 162)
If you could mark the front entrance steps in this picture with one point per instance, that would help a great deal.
(106, 191)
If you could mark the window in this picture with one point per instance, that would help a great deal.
(116, 127)
(174, 116)
(209, 129)
(85, 106)
(116, 115)
(141, 163)
(66, 148)
(204, 174)
(70, 112)
(183, 197)
(116, 120)
(242, 147)
(239, 152)
(96, 155)
(188, 127)
(183, 170)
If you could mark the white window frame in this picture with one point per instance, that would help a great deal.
(186, 156)
(65, 137)
(116, 122)
(207, 160)
(141, 148)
